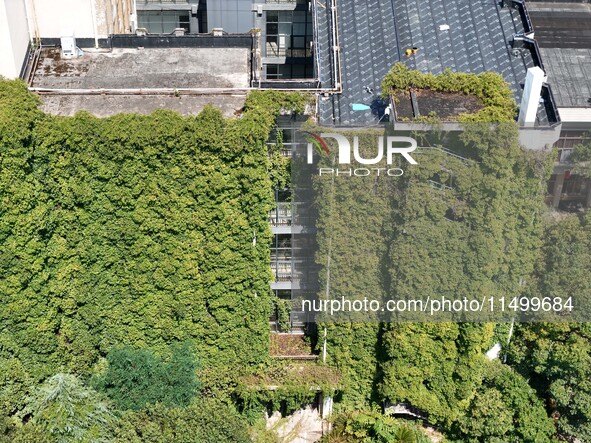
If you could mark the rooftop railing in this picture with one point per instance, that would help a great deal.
(164, 2)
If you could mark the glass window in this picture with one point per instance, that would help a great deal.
(162, 22)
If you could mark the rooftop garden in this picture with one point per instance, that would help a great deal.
(451, 96)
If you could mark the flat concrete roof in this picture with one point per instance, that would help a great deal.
(563, 31)
(72, 85)
(569, 71)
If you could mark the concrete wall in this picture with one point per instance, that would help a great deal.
(14, 37)
(24, 20)
(56, 16)
(87, 18)
(232, 15)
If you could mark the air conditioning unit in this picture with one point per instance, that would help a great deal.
(68, 44)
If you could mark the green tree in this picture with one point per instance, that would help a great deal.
(436, 367)
(373, 427)
(555, 357)
(504, 408)
(581, 156)
(137, 377)
(69, 411)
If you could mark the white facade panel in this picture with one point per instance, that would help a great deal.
(14, 37)
(53, 16)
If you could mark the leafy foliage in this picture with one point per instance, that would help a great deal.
(69, 411)
(555, 357)
(203, 421)
(490, 87)
(285, 385)
(369, 426)
(581, 156)
(137, 377)
(141, 226)
(504, 408)
(132, 231)
(477, 234)
(436, 367)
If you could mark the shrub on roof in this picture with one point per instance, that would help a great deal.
(489, 87)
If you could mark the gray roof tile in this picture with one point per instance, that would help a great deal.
(374, 35)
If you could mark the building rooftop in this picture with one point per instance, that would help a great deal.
(563, 31)
(465, 36)
(143, 80)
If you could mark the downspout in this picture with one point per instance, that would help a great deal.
(94, 26)
(32, 22)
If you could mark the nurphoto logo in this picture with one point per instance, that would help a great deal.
(387, 147)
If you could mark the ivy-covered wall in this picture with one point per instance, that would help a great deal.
(134, 230)
(449, 226)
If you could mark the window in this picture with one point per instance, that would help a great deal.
(163, 22)
(289, 34)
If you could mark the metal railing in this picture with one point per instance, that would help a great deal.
(439, 186)
(273, 50)
(164, 2)
(281, 215)
(282, 270)
(286, 148)
(280, 254)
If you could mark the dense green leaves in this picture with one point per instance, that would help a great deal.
(203, 421)
(132, 231)
(581, 156)
(504, 408)
(69, 411)
(372, 427)
(490, 87)
(451, 227)
(123, 235)
(556, 359)
(435, 366)
(136, 377)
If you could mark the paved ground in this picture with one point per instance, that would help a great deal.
(143, 68)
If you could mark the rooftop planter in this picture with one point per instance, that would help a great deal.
(451, 96)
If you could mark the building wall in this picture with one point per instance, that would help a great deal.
(231, 15)
(14, 37)
(117, 15)
(55, 17)
(87, 18)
